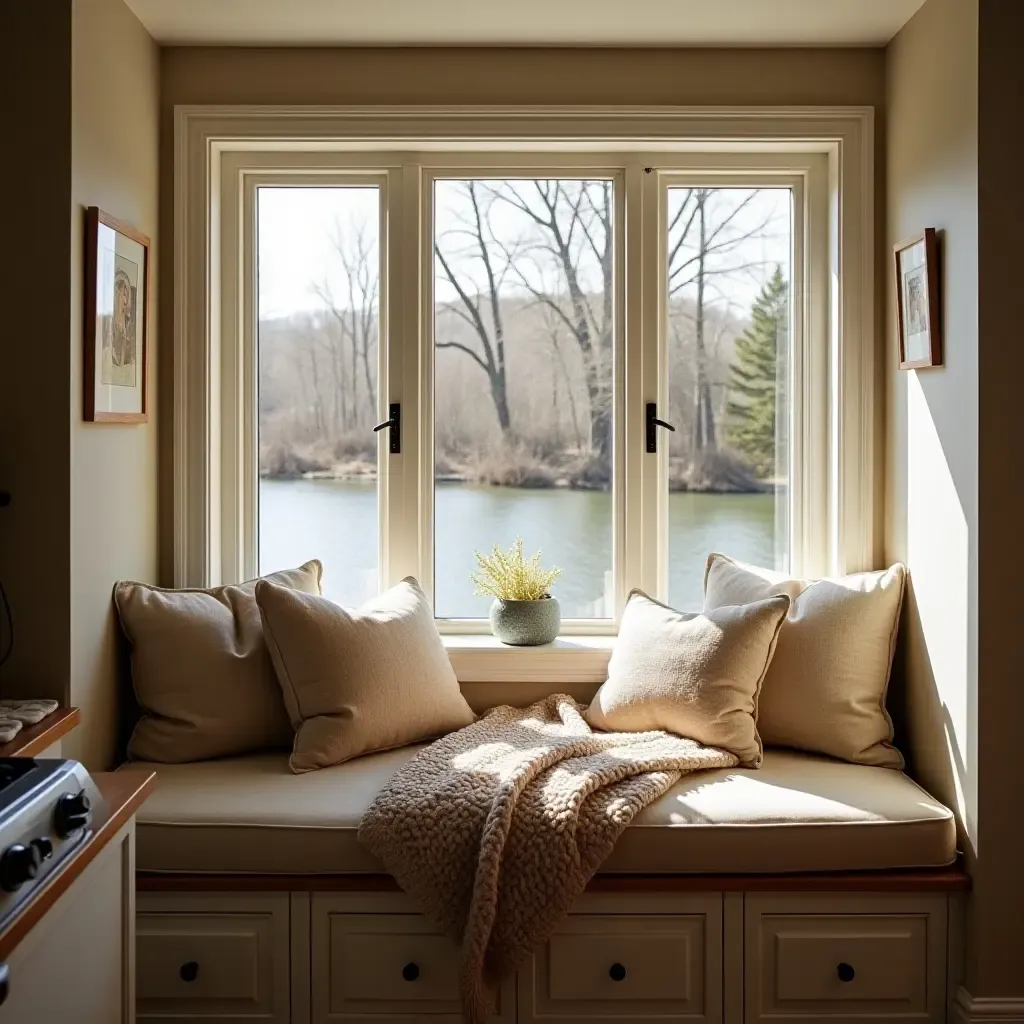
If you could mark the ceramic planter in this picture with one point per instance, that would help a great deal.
(525, 623)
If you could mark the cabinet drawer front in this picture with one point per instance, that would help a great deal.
(387, 967)
(212, 965)
(391, 958)
(853, 964)
(878, 964)
(627, 966)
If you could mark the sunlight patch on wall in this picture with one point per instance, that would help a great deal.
(938, 552)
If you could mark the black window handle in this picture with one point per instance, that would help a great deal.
(846, 972)
(617, 972)
(411, 972)
(394, 423)
(189, 971)
(652, 423)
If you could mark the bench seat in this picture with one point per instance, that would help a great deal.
(797, 813)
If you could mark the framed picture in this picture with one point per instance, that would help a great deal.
(917, 301)
(116, 320)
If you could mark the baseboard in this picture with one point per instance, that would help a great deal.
(968, 1009)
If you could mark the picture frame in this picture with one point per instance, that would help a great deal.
(116, 330)
(918, 311)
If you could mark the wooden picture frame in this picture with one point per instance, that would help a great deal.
(918, 310)
(116, 329)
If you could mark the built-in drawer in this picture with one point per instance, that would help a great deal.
(376, 959)
(844, 957)
(212, 957)
(629, 958)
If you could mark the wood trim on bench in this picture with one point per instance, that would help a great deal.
(951, 879)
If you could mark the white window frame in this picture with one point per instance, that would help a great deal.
(222, 154)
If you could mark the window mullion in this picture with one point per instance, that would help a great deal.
(635, 484)
(401, 475)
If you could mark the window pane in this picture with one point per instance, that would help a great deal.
(524, 328)
(729, 273)
(319, 273)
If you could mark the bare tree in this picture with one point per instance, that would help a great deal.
(481, 309)
(353, 343)
(575, 218)
(700, 236)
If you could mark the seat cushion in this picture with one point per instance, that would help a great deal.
(798, 812)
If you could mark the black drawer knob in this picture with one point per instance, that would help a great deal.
(617, 972)
(189, 971)
(846, 972)
(411, 972)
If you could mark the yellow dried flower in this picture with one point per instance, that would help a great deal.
(511, 576)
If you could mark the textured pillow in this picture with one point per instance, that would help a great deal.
(201, 670)
(825, 688)
(697, 675)
(357, 680)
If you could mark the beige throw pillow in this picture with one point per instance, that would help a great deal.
(825, 688)
(697, 675)
(202, 674)
(357, 680)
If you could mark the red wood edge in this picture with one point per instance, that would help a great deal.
(951, 879)
(34, 739)
(123, 793)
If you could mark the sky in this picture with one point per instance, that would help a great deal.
(297, 226)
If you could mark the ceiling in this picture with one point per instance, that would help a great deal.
(524, 22)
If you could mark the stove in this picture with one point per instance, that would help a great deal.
(46, 811)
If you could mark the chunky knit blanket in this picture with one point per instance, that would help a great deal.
(495, 830)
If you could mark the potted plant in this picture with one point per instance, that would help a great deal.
(524, 614)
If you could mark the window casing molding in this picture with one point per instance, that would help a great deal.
(223, 154)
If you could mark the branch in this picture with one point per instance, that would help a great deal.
(469, 352)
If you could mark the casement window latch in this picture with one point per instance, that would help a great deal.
(394, 425)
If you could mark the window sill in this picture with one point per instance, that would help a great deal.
(480, 658)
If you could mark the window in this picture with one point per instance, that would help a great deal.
(318, 270)
(728, 271)
(524, 336)
(525, 308)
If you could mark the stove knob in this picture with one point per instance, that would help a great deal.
(18, 865)
(71, 813)
(44, 846)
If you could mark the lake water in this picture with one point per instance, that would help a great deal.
(336, 521)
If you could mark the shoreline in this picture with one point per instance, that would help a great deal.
(368, 476)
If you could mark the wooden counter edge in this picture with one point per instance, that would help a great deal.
(124, 792)
(951, 879)
(34, 739)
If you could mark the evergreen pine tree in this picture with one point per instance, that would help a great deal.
(755, 377)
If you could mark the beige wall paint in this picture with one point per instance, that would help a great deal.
(710, 77)
(113, 468)
(998, 898)
(954, 496)
(35, 82)
(932, 415)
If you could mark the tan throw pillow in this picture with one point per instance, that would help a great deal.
(697, 675)
(825, 688)
(357, 680)
(201, 670)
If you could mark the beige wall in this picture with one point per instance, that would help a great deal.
(35, 81)
(954, 496)
(113, 468)
(932, 415)
(489, 76)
